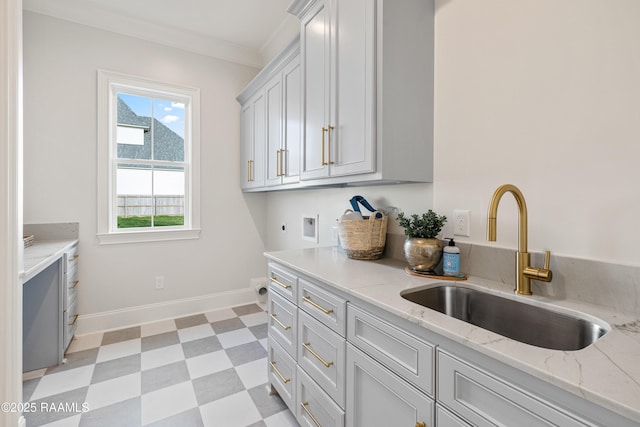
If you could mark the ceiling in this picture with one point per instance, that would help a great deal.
(236, 30)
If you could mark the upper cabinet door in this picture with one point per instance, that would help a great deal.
(338, 51)
(273, 102)
(253, 141)
(246, 145)
(353, 85)
(292, 137)
(315, 38)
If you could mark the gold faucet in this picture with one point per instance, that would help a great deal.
(524, 272)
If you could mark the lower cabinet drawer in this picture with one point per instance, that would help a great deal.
(403, 353)
(485, 400)
(284, 282)
(70, 323)
(283, 322)
(282, 374)
(315, 408)
(321, 353)
(71, 282)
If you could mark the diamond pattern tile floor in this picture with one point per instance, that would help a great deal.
(204, 370)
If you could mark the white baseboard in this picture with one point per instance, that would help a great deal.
(133, 316)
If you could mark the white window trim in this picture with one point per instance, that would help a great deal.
(107, 81)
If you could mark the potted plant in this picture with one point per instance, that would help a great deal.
(422, 249)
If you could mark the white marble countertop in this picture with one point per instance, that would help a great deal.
(606, 372)
(42, 254)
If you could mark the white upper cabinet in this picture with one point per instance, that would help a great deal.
(270, 124)
(252, 136)
(367, 87)
(292, 122)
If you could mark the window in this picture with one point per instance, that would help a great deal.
(148, 160)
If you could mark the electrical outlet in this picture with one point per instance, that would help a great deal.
(159, 282)
(461, 223)
(283, 227)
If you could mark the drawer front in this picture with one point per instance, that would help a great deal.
(444, 418)
(283, 281)
(71, 258)
(283, 323)
(378, 397)
(71, 280)
(485, 400)
(403, 353)
(323, 305)
(282, 374)
(70, 322)
(321, 353)
(314, 408)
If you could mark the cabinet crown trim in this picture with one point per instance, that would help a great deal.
(274, 66)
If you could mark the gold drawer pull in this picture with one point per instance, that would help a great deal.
(322, 147)
(421, 424)
(75, 283)
(73, 258)
(304, 406)
(277, 282)
(282, 325)
(75, 318)
(319, 307)
(316, 355)
(284, 380)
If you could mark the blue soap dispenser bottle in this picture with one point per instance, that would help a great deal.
(451, 259)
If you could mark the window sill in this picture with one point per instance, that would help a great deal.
(147, 236)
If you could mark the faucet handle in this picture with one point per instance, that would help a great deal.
(543, 274)
(547, 259)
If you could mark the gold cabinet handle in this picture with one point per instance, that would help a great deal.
(421, 424)
(75, 318)
(304, 406)
(73, 258)
(75, 283)
(282, 325)
(278, 163)
(316, 355)
(282, 165)
(329, 128)
(278, 373)
(324, 163)
(316, 305)
(248, 170)
(279, 283)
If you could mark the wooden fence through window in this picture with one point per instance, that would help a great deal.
(145, 205)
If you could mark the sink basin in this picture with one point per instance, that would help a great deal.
(527, 323)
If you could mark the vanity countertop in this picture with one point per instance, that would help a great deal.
(42, 253)
(606, 372)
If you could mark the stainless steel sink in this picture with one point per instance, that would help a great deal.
(527, 323)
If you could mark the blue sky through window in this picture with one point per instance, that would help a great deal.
(169, 113)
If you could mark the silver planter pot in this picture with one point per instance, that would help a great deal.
(423, 255)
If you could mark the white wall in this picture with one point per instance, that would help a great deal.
(61, 59)
(543, 94)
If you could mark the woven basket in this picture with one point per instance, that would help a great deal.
(364, 239)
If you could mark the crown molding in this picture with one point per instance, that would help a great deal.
(86, 13)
